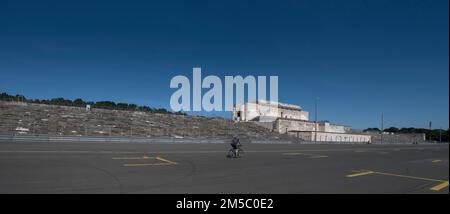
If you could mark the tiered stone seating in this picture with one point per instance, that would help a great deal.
(27, 118)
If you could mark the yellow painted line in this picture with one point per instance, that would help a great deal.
(319, 156)
(407, 176)
(309, 155)
(293, 153)
(360, 174)
(127, 158)
(148, 164)
(133, 158)
(436, 161)
(440, 186)
(165, 160)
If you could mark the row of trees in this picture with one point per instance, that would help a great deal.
(81, 103)
(431, 134)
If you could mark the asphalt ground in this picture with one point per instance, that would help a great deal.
(89, 167)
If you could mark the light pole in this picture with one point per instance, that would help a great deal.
(315, 123)
(382, 121)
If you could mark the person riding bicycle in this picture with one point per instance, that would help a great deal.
(235, 143)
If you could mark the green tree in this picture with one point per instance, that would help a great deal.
(79, 102)
(122, 106)
(392, 129)
(371, 130)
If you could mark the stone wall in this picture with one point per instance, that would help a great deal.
(39, 119)
(286, 125)
(293, 114)
(398, 138)
(251, 111)
(267, 125)
(332, 137)
(283, 125)
(328, 127)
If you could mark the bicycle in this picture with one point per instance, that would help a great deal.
(232, 153)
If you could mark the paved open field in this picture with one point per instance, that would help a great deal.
(203, 168)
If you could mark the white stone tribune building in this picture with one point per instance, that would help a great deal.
(293, 120)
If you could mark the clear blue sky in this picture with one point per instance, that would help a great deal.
(360, 57)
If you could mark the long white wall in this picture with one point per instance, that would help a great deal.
(332, 137)
(250, 111)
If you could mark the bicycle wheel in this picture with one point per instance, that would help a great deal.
(241, 153)
(230, 153)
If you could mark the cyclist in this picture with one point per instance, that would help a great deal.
(235, 143)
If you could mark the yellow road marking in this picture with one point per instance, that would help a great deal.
(408, 176)
(360, 174)
(440, 186)
(309, 155)
(147, 164)
(133, 158)
(165, 160)
(436, 161)
(319, 156)
(294, 153)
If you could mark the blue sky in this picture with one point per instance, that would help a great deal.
(360, 57)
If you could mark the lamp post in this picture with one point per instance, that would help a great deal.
(315, 115)
(382, 121)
